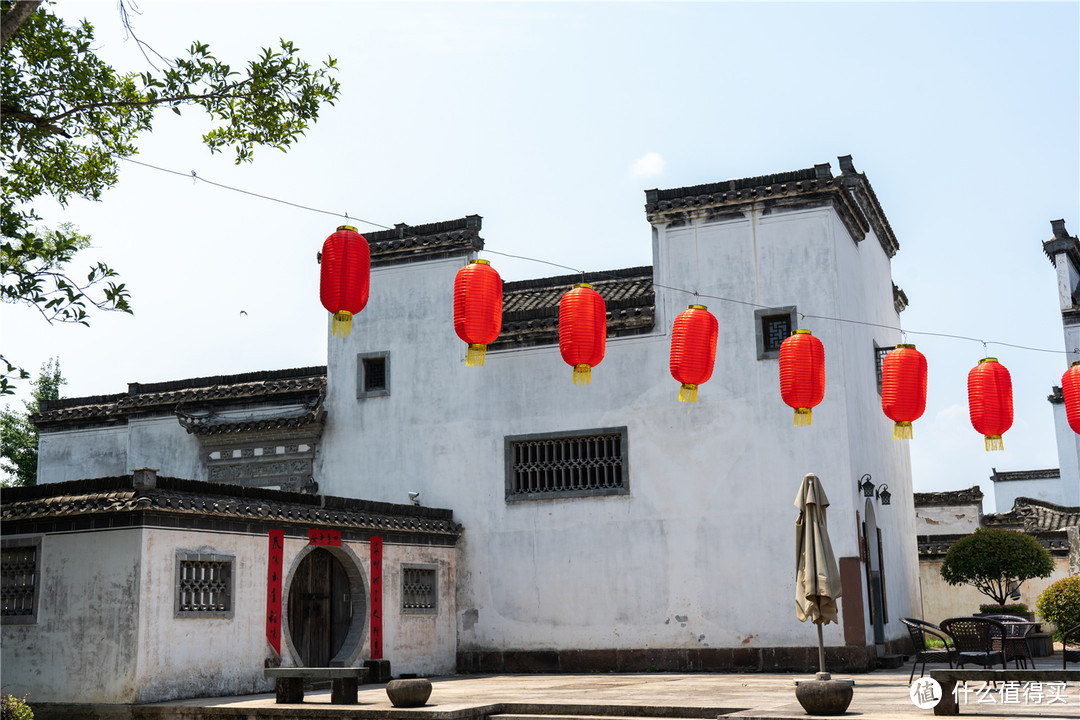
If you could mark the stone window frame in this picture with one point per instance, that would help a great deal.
(34, 542)
(361, 378)
(514, 494)
(182, 557)
(424, 609)
(759, 331)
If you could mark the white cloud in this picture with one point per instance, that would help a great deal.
(646, 165)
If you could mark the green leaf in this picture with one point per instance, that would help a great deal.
(90, 115)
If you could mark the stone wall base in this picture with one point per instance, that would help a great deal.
(779, 659)
(80, 711)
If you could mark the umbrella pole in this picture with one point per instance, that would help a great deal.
(822, 675)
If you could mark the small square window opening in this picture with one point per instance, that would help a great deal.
(203, 586)
(774, 326)
(372, 374)
(419, 590)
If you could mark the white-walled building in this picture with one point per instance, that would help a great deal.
(942, 518)
(606, 526)
(139, 588)
(1061, 485)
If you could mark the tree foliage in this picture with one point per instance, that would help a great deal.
(19, 436)
(13, 708)
(995, 562)
(67, 117)
(1060, 604)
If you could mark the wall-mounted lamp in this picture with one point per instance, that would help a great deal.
(883, 494)
(866, 484)
(1014, 591)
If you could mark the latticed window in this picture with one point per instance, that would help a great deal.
(592, 462)
(372, 374)
(19, 581)
(774, 326)
(203, 585)
(418, 588)
(879, 362)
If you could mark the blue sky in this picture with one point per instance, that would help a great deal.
(551, 119)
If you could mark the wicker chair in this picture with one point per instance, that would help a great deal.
(919, 630)
(977, 640)
(1015, 642)
(1068, 654)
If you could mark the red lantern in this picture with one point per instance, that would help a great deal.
(1070, 387)
(477, 308)
(582, 330)
(344, 276)
(990, 402)
(693, 349)
(903, 388)
(802, 374)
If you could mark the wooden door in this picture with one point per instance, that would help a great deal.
(320, 608)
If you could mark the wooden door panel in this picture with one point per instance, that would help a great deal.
(319, 608)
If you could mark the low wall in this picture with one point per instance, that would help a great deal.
(636, 660)
(941, 600)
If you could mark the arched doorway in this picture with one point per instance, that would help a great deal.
(875, 579)
(320, 611)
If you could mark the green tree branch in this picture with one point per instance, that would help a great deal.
(67, 118)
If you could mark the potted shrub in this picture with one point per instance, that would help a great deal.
(1060, 604)
(996, 562)
(1018, 609)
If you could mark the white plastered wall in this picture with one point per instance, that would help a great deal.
(699, 553)
(83, 647)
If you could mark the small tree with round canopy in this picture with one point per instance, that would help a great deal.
(996, 562)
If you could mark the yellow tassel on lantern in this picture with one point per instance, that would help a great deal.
(688, 393)
(475, 354)
(802, 416)
(582, 374)
(902, 431)
(342, 323)
(994, 442)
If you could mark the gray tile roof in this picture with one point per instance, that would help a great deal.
(1062, 242)
(531, 307)
(1032, 515)
(299, 385)
(175, 502)
(208, 425)
(413, 243)
(972, 495)
(1044, 521)
(935, 546)
(1014, 475)
(850, 195)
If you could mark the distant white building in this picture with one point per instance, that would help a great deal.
(604, 527)
(942, 518)
(1060, 485)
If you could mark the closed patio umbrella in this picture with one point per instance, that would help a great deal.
(817, 578)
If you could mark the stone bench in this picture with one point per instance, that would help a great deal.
(289, 682)
(948, 679)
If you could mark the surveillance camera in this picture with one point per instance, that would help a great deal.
(414, 497)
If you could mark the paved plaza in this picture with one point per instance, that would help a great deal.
(881, 695)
